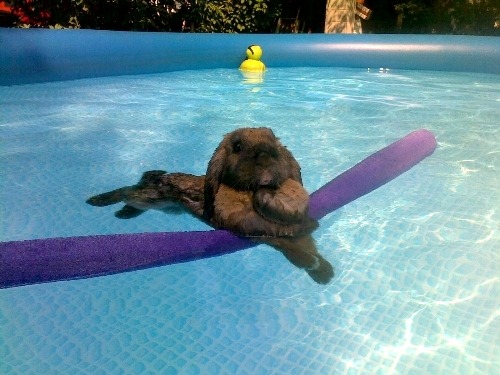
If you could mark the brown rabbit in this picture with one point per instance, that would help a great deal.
(253, 187)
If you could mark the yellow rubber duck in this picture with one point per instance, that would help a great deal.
(252, 62)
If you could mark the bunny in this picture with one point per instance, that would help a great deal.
(252, 187)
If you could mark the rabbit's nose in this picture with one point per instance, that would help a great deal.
(265, 178)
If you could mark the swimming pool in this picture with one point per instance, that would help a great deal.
(417, 267)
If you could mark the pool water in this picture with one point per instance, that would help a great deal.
(417, 261)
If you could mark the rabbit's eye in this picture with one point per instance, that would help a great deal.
(237, 146)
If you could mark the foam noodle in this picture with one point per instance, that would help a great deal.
(53, 259)
(373, 172)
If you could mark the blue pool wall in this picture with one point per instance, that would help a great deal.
(41, 55)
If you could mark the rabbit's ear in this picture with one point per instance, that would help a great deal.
(213, 177)
(293, 165)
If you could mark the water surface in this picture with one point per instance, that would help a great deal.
(417, 265)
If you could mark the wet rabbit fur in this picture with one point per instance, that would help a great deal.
(252, 187)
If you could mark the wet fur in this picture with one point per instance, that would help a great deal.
(253, 187)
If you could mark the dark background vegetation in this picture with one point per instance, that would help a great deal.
(476, 17)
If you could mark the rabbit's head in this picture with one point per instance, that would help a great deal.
(248, 159)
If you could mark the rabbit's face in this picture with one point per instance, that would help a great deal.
(254, 158)
(248, 159)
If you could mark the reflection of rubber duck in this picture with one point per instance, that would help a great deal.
(253, 63)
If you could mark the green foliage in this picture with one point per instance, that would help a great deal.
(412, 16)
(246, 16)
(159, 15)
(134, 15)
(234, 16)
(449, 16)
(468, 16)
(412, 8)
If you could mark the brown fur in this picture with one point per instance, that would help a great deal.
(248, 159)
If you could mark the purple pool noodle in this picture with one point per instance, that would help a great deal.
(53, 259)
(373, 172)
(65, 258)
